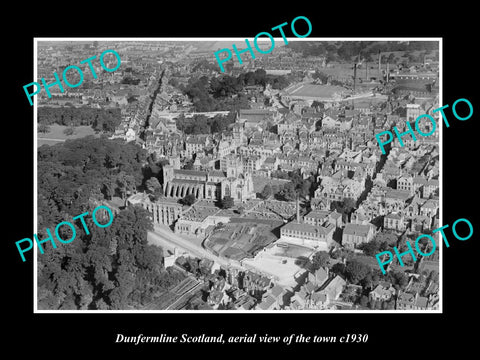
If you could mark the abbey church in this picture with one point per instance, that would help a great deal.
(209, 184)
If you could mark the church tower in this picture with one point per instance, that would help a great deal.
(234, 166)
(238, 134)
(168, 175)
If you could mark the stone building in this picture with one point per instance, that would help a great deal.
(208, 184)
(164, 211)
(356, 234)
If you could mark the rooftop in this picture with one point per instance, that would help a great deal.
(398, 194)
(356, 229)
(318, 214)
(307, 228)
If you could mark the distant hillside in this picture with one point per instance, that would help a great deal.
(347, 50)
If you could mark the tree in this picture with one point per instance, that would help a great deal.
(125, 184)
(356, 271)
(288, 193)
(373, 247)
(338, 268)
(154, 187)
(344, 207)
(391, 58)
(266, 192)
(318, 105)
(320, 259)
(69, 130)
(364, 301)
(173, 82)
(227, 202)
(320, 75)
(303, 262)
(98, 119)
(43, 128)
(189, 199)
(398, 279)
(152, 184)
(368, 281)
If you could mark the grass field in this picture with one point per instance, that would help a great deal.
(259, 182)
(56, 135)
(313, 90)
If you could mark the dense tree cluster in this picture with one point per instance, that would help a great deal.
(225, 92)
(98, 119)
(319, 259)
(201, 268)
(358, 272)
(110, 268)
(200, 124)
(344, 207)
(153, 168)
(72, 173)
(373, 247)
(204, 98)
(298, 186)
(347, 50)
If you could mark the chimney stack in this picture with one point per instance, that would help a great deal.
(298, 211)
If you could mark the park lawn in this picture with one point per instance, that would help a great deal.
(56, 132)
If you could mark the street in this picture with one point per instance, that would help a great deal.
(164, 237)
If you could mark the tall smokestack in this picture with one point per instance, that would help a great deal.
(388, 71)
(298, 210)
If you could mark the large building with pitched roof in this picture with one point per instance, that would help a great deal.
(356, 234)
(316, 236)
(208, 184)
